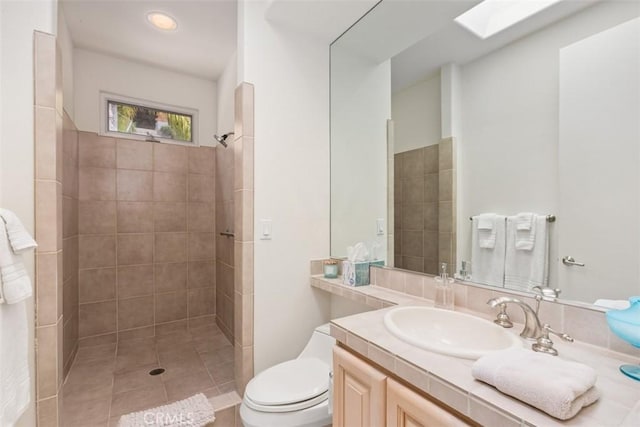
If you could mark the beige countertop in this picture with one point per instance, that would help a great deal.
(449, 379)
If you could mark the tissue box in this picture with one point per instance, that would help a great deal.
(357, 273)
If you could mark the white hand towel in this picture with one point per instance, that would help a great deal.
(556, 386)
(524, 269)
(19, 237)
(15, 390)
(485, 227)
(613, 304)
(525, 231)
(488, 262)
(14, 280)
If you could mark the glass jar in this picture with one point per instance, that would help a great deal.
(330, 269)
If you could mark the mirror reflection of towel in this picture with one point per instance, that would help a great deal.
(524, 267)
(487, 258)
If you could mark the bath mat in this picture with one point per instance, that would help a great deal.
(195, 411)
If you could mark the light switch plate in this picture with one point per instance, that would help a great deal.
(380, 226)
(265, 229)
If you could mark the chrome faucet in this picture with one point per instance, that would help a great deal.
(532, 326)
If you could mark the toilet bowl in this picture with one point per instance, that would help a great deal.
(294, 393)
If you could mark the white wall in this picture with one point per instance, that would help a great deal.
(65, 43)
(416, 113)
(360, 108)
(94, 72)
(226, 86)
(18, 20)
(509, 143)
(290, 72)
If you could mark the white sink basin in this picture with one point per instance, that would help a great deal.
(448, 332)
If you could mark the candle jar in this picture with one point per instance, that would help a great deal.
(330, 269)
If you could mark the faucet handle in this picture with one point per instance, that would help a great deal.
(503, 318)
(544, 344)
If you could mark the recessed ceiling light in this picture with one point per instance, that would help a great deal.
(492, 16)
(162, 21)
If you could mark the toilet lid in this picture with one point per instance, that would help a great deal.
(289, 382)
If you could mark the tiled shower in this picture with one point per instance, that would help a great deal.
(146, 237)
(132, 273)
(425, 208)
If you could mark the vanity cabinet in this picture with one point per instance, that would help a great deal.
(365, 397)
(359, 392)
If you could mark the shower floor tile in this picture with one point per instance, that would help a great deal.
(107, 381)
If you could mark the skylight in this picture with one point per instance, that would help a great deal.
(492, 16)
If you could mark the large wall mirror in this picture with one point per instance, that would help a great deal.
(500, 137)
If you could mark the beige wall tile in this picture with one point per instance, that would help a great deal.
(412, 244)
(97, 318)
(170, 216)
(170, 158)
(413, 190)
(97, 217)
(171, 306)
(201, 274)
(135, 217)
(431, 187)
(445, 217)
(202, 301)
(445, 154)
(202, 217)
(97, 184)
(45, 143)
(202, 160)
(243, 164)
(201, 246)
(135, 185)
(169, 187)
(135, 280)
(70, 178)
(134, 154)
(201, 188)
(70, 212)
(97, 251)
(445, 185)
(170, 247)
(135, 249)
(47, 361)
(586, 325)
(96, 151)
(135, 312)
(47, 288)
(243, 215)
(45, 69)
(97, 285)
(170, 277)
(48, 412)
(244, 263)
(48, 222)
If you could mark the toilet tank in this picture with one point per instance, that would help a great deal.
(320, 345)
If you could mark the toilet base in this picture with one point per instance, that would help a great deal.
(316, 416)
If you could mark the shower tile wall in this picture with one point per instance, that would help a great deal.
(416, 213)
(70, 241)
(147, 237)
(224, 244)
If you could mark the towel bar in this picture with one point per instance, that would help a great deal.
(550, 218)
(227, 234)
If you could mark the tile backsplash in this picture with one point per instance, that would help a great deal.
(583, 323)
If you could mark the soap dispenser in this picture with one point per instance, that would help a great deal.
(444, 289)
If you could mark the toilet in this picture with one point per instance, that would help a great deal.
(294, 393)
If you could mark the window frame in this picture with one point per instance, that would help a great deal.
(106, 97)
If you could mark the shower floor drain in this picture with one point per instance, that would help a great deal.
(156, 371)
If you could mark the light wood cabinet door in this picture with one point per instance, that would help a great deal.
(406, 408)
(359, 392)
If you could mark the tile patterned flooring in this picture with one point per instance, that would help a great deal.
(109, 380)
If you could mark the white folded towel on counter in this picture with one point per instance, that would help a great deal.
(15, 284)
(19, 237)
(487, 250)
(559, 387)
